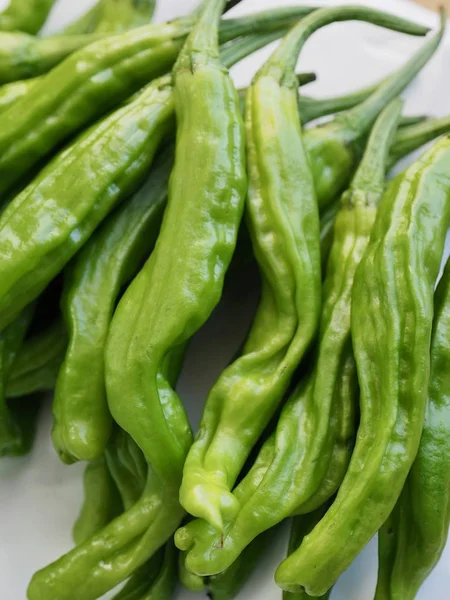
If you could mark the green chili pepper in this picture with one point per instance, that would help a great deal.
(23, 56)
(282, 201)
(392, 310)
(301, 527)
(53, 226)
(11, 92)
(25, 15)
(102, 502)
(335, 147)
(13, 441)
(120, 15)
(307, 468)
(80, 91)
(38, 361)
(414, 536)
(110, 259)
(217, 188)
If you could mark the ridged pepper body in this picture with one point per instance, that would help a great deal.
(414, 536)
(392, 311)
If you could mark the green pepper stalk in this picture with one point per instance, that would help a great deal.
(414, 536)
(87, 23)
(335, 147)
(302, 471)
(80, 91)
(283, 222)
(412, 137)
(98, 565)
(25, 15)
(392, 314)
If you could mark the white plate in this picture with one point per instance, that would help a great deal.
(40, 498)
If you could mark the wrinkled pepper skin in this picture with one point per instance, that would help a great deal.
(165, 307)
(119, 15)
(414, 536)
(23, 56)
(304, 470)
(103, 74)
(335, 147)
(392, 313)
(95, 172)
(25, 15)
(92, 286)
(283, 222)
(13, 441)
(101, 504)
(37, 362)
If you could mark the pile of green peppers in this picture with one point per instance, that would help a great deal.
(133, 175)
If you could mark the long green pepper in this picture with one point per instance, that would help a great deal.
(217, 186)
(312, 444)
(414, 536)
(283, 222)
(392, 311)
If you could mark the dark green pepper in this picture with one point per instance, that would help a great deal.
(25, 15)
(414, 536)
(38, 362)
(392, 313)
(97, 77)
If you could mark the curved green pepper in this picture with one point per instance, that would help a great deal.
(11, 92)
(414, 536)
(102, 502)
(306, 468)
(119, 15)
(103, 74)
(25, 15)
(285, 231)
(37, 362)
(96, 171)
(131, 539)
(392, 313)
(110, 259)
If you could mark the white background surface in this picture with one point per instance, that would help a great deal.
(40, 498)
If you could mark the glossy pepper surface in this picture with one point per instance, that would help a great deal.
(25, 15)
(393, 287)
(55, 215)
(217, 188)
(93, 283)
(414, 536)
(283, 221)
(103, 74)
(303, 470)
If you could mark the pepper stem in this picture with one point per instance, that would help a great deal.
(282, 64)
(410, 138)
(371, 173)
